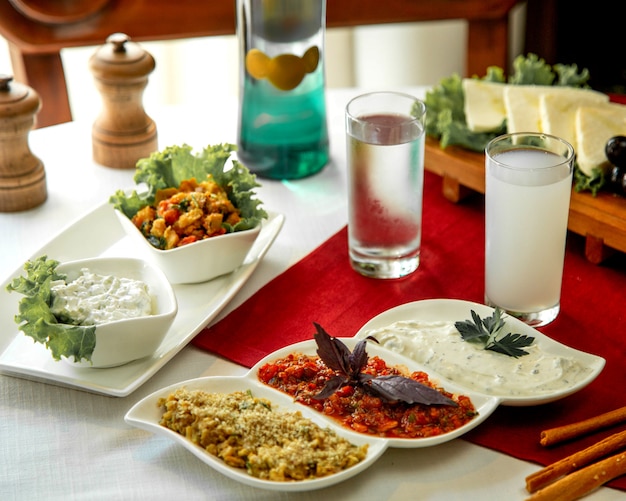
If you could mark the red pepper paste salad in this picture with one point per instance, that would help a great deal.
(304, 376)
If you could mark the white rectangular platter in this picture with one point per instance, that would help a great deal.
(100, 234)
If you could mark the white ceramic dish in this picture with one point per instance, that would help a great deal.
(452, 310)
(123, 341)
(196, 262)
(99, 234)
(146, 414)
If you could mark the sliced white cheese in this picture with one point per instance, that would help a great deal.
(595, 125)
(583, 117)
(557, 110)
(484, 104)
(522, 107)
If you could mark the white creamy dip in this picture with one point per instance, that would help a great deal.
(94, 299)
(439, 346)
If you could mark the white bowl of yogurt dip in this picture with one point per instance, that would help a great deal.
(129, 301)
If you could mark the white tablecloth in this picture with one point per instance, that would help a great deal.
(62, 443)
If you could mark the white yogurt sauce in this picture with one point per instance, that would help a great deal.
(94, 299)
(439, 346)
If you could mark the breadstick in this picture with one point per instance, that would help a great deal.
(575, 430)
(582, 482)
(550, 473)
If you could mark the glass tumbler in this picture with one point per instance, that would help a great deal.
(385, 150)
(528, 183)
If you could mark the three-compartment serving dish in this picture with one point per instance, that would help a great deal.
(146, 413)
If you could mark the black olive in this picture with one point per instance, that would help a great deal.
(615, 151)
(618, 180)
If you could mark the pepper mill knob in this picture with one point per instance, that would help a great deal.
(22, 174)
(123, 132)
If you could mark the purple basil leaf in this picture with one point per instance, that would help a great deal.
(363, 378)
(333, 352)
(358, 358)
(348, 365)
(407, 390)
(331, 386)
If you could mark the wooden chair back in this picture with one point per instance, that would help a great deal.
(37, 31)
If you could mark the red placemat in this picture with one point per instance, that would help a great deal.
(323, 288)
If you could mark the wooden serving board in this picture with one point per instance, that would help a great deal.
(600, 219)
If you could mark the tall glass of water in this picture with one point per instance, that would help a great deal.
(385, 150)
(528, 183)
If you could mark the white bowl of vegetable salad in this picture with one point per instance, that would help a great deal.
(195, 219)
(95, 313)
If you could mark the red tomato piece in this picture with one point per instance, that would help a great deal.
(171, 216)
(187, 240)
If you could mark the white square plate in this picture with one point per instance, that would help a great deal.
(99, 234)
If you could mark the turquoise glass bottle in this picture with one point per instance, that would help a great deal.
(282, 117)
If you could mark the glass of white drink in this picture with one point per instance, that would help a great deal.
(385, 142)
(528, 183)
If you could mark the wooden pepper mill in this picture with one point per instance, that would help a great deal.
(123, 133)
(22, 175)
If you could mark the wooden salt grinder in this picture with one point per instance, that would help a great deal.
(123, 133)
(22, 175)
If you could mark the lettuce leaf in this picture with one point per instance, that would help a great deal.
(445, 116)
(593, 183)
(168, 168)
(37, 321)
(531, 70)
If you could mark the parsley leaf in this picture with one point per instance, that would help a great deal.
(511, 345)
(486, 332)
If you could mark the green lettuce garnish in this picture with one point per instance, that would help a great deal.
(445, 115)
(168, 168)
(37, 321)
